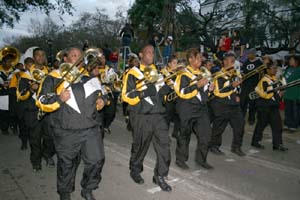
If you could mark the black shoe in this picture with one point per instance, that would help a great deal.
(37, 168)
(24, 146)
(50, 162)
(206, 165)
(181, 164)
(216, 151)
(65, 196)
(160, 181)
(87, 195)
(257, 145)
(137, 178)
(280, 148)
(238, 151)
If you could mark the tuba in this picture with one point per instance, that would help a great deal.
(8, 50)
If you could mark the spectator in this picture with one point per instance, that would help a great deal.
(113, 58)
(127, 35)
(292, 95)
(224, 45)
(167, 51)
(239, 43)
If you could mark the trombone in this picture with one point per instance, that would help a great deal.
(254, 95)
(71, 74)
(253, 72)
(205, 74)
(152, 76)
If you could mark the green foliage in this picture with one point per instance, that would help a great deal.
(10, 10)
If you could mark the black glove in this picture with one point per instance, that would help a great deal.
(150, 91)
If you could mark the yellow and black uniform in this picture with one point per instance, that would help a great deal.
(16, 108)
(76, 129)
(147, 118)
(268, 111)
(5, 76)
(171, 114)
(226, 109)
(40, 138)
(193, 114)
(109, 111)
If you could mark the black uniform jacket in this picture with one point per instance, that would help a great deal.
(148, 105)
(191, 99)
(80, 111)
(266, 99)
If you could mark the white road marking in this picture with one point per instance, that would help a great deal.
(229, 160)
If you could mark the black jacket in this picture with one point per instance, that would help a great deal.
(148, 105)
(82, 114)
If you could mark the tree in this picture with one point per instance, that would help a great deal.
(10, 10)
(145, 15)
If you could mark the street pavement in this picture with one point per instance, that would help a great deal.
(261, 175)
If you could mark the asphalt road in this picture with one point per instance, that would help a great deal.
(261, 175)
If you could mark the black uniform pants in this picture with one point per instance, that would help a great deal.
(110, 112)
(200, 125)
(265, 116)
(172, 116)
(41, 142)
(147, 128)
(235, 118)
(4, 120)
(71, 147)
(247, 104)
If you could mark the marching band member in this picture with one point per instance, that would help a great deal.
(268, 110)
(147, 119)
(193, 112)
(40, 139)
(107, 75)
(6, 70)
(171, 115)
(226, 108)
(133, 61)
(75, 125)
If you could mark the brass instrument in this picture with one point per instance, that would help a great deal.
(38, 75)
(60, 55)
(253, 95)
(8, 50)
(71, 74)
(152, 77)
(204, 74)
(253, 72)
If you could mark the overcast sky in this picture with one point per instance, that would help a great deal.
(80, 6)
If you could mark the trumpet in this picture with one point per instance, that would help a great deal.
(204, 74)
